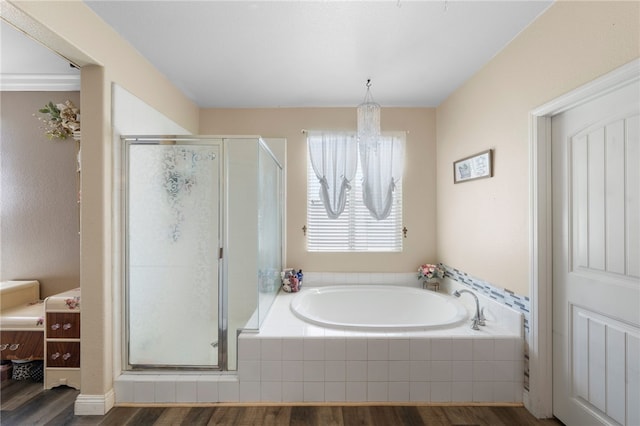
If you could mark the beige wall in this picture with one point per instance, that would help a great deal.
(72, 29)
(40, 217)
(418, 183)
(483, 225)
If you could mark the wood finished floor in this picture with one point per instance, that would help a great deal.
(25, 403)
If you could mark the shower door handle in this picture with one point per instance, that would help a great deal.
(220, 253)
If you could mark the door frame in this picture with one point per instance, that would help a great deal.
(539, 399)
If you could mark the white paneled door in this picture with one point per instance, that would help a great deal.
(596, 260)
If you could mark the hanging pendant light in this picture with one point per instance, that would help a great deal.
(368, 120)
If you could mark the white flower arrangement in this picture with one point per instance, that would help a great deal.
(62, 120)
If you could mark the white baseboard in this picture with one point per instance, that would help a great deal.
(94, 405)
(526, 401)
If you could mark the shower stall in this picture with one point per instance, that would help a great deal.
(203, 226)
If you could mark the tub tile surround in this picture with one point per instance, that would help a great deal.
(319, 279)
(289, 360)
(329, 365)
(503, 296)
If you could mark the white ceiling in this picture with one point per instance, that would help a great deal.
(317, 53)
(27, 65)
(21, 55)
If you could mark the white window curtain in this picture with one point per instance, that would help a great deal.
(334, 158)
(382, 166)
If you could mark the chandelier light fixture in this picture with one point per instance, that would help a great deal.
(368, 120)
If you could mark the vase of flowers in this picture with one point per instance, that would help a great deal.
(430, 275)
(61, 120)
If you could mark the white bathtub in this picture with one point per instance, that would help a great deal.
(377, 307)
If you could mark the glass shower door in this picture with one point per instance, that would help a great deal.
(173, 217)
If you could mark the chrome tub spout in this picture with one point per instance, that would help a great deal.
(479, 318)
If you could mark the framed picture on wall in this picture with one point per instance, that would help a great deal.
(477, 166)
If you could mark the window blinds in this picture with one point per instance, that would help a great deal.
(355, 230)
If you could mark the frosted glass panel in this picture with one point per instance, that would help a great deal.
(173, 241)
(254, 230)
(241, 157)
(269, 231)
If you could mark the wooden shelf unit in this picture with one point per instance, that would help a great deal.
(62, 340)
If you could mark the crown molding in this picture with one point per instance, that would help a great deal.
(40, 82)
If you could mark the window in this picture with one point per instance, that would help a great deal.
(355, 230)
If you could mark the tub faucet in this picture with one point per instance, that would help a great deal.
(479, 318)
